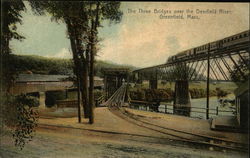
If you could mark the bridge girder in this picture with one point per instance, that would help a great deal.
(221, 65)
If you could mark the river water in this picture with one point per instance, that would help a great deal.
(198, 108)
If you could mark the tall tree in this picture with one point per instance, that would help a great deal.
(16, 111)
(74, 15)
(10, 17)
(82, 19)
(98, 11)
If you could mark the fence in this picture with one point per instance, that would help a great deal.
(73, 103)
(168, 108)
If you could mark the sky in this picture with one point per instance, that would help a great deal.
(144, 37)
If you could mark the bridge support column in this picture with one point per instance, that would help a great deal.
(66, 94)
(153, 84)
(182, 103)
(42, 99)
(116, 82)
(153, 80)
(139, 79)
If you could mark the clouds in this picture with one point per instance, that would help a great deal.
(43, 37)
(145, 40)
(140, 39)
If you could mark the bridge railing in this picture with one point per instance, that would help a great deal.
(99, 100)
(168, 108)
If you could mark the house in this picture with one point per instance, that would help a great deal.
(46, 87)
(242, 104)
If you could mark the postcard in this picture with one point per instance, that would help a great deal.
(110, 79)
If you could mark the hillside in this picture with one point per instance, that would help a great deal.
(55, 66)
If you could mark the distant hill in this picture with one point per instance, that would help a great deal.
(55, 66)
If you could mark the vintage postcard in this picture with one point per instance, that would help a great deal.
(110, 79)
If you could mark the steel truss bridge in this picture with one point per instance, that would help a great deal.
(212, 64)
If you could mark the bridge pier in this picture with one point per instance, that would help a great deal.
(153, 80)
(42, 99)
(153, 84)
(182, 103)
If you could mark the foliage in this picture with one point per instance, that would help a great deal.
(51, 66)
(236, 76)
(221, 93)
(19, 113)
(181, 72)
(152, 94)
(82, 18)
(101, 65)
(197, 93)
(41, 65)
(10, 16)
(201, 93)
(167, 94)
(8, 72)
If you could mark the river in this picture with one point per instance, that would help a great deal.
(198, 108)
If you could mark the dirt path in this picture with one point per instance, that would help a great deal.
(88, 141)
(197, 126)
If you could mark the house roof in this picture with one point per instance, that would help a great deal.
(40, 78)
(45, 78)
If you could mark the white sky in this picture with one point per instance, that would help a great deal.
(140, 39)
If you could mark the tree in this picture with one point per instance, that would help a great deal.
(103, 10)
(82, 19)
(243, 65)
(11, 15)
(16, 110)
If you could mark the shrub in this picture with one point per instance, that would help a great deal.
(221, 93)
(152, 94)
(18, 112)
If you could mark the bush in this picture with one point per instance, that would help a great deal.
(197, 93)
(202, 93)
(152, 94)
(18, 112)
(221, 93)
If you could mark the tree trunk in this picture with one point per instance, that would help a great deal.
(85, 95)
(79, 98)
(76, 63)
(91, 78)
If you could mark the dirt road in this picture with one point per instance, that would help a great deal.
(89, 141)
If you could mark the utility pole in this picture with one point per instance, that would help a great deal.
(208, 74)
